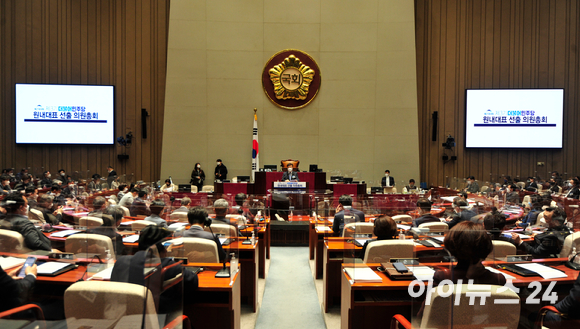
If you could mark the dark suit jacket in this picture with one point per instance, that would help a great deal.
(427, 218)
(33, 237)
(513, 197)
(138, 207)
(462, 216)
(384, 181)
(547, 244)
(14, 292)
(574, 193)
(48, 216)
(338, 224)
(571, 304)
(290, 176)
(197, 232)
(222, 170)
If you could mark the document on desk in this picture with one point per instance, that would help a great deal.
(131, 238)
(323, 228)
(176, 226)
(422, 273)
(507, 276)
(404, 227)
(104, 274)
(544, 271)
(51, 268)
(10, 262)
(362, 274)
(63, 234)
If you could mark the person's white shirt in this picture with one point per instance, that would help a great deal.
(167, 188)
(127, 200)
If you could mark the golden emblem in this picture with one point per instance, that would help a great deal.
(291, 79)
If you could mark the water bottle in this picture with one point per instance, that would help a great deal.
(109, 260)
(253, 239)
(401, 235)
(572, 255)
(528, 230)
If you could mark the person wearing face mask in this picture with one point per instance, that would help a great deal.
(61, 176)
(461, 212)
(549, 243)
(46, 180)
(574, 191)
(512, 196)
(198, 176)
(111, 176)
(6, 189)
(290, 174)
(532, 185)
(388, 181)
(17, 220)
(472, 186)
(69, 190)
(221, 172)
(25, 183)
(167, 187)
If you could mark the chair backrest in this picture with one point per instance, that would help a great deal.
(521, 185)
(357, 228)
(285, 163)
(540, 187)
(179, 215)
(90, 221)
(193, 189)
(435, 227)
(207, 188)
(571, 241)
(36, 215)
(390, 189)
(501, 249)
(527, 199)
(443, 312)
(402, 218)
(88, 245)
(484, 188)
(109, 300)
(382, 251)
(199, 250)
(12, 241)
(126, 211)
(478, 219)
(138, 225)
(225, 229)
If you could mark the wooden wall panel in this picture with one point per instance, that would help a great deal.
(110, 42)
(494, 44)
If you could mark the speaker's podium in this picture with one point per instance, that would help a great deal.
(290, 197)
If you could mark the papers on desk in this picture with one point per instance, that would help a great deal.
(438, 238)
(10, 262)
(544, 271)
(323, 228)
(131, 238)
(126, 223)
(422, 273)
(176, 226)
(507, 276)
(104, 274)
(63, 234)
(362, 274)
(511, 211)
(52, 268)
(404, 227)
(175, 242)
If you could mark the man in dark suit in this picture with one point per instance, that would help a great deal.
(574, 191)
(15, 291)
(424, 206)
(532, 185)
(343, 209)
(112, 174)
(139, 207)
(221, 172)
(26, 182)
(462, 213)
(44, 205)
(388, 181)
(512, 196)
(17, 220)
(472, 186)
(290, 174)
(198, 219)
(549, 243)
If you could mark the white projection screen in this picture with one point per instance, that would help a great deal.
(65, 114)
(514, 118)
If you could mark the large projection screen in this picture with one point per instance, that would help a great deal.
(514, 118)
(65, 114)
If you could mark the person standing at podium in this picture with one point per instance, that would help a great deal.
(290, 175)
(221, 172)
(388, 181)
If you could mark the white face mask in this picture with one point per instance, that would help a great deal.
(198, 166)
(218, 163)
(289, 169)
(386, 175)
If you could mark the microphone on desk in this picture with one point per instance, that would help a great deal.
(87, 270)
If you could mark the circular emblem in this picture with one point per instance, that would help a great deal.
(291, 79)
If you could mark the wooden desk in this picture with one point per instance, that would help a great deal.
(248, 256)
(396, 299)
(217, 301)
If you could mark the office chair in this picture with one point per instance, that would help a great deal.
(88, 245)
(13, 242)
(385, 249)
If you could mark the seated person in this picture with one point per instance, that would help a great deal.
(122, 190)
(111, 220)
(99, 208)
(290, 175)
(128, 198)
(221, 207)
(242, 204)
(15, 290)
(185, 205)
(114, 182)
(44, 205)
(494, 223)
(472, 186)
(570, 306)
(549, 243)
(532, 217)
(17, 220)
(127, 267)
(95, 184)
(574, 191)
(22, 185)
(139, 207)
(31, 194)
(554, 188)
(69, 191)
(462, 213)
(424, 206)
(156, 208)
(46, 181)
(167, 187)
(470, 244)
(198, 219)
(512, 195)
(388, 181)
(345, 207)
(385, 229)
(58, 199)
(6, 189)
(532, 184)
(411, 187)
